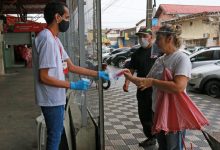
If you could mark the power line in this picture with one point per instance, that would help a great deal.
(129, 8)
(106, 4)
(119, 21)
(110, 4)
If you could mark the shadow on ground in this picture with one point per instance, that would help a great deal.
(18, 111)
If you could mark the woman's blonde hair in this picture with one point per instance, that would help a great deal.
(172, 30)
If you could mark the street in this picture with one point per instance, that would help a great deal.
(123, 129)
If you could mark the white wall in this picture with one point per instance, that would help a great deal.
(197, 29)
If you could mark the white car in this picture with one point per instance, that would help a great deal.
(205, 56)
(206, 78)
(194, 49)
(188, 53)
(106, 51)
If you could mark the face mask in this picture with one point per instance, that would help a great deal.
(63, 25)
(143, 42)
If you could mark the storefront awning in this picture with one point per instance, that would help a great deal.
(23, 6)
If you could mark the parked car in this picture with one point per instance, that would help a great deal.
(106, 51)
(186, 52)
(119, 58)
(205, 56)
(206, 78)
(194, 49)
(127, 61)
(108, 58)
(198, 48)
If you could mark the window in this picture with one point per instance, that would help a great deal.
(204, 56)
(133, 50)
(116, 51)
(217, 55)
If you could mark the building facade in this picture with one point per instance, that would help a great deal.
(173, 11)
(127, 38)
(112, 35)
(200, 29)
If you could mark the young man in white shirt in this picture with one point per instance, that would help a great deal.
(50, 62)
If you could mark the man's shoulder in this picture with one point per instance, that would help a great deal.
(137, 51)
(43, 36)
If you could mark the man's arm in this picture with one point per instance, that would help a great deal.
(80, 70)
(51, 81)
(127, 82)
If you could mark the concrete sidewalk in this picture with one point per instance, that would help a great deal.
(122, 126)
(18, 111)
(123, 130)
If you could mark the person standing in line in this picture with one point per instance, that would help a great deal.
(178, 63)
(141, 62)
(50, 62)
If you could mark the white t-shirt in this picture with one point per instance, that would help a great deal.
(47, 54)
(178, 63)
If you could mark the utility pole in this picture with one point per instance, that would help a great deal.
(149, 12)
(101, 132)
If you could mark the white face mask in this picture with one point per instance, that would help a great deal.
(143, 42)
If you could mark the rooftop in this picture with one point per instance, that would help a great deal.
(184, 9)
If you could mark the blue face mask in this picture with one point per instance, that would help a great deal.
(63, 26)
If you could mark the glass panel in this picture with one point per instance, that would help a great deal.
(205, 56)
(91, 56)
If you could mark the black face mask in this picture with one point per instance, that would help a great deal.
(64, 25)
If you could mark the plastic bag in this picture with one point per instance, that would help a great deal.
(115, 75)
(176, 112)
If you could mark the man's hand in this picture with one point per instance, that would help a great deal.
(103, 75)
(125, 87)
(127, 73)
(79, 85)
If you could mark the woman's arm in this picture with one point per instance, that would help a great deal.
(177, 85)
(129, 76)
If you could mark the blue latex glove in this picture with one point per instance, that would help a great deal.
(79, 85)
(103, 75)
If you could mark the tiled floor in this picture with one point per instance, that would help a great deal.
(124, 131)
(18, 111)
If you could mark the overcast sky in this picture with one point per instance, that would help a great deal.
(126, 13)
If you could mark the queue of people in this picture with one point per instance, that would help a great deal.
(173, 110)
(161, 82)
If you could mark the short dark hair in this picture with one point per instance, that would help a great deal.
(51, 9)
